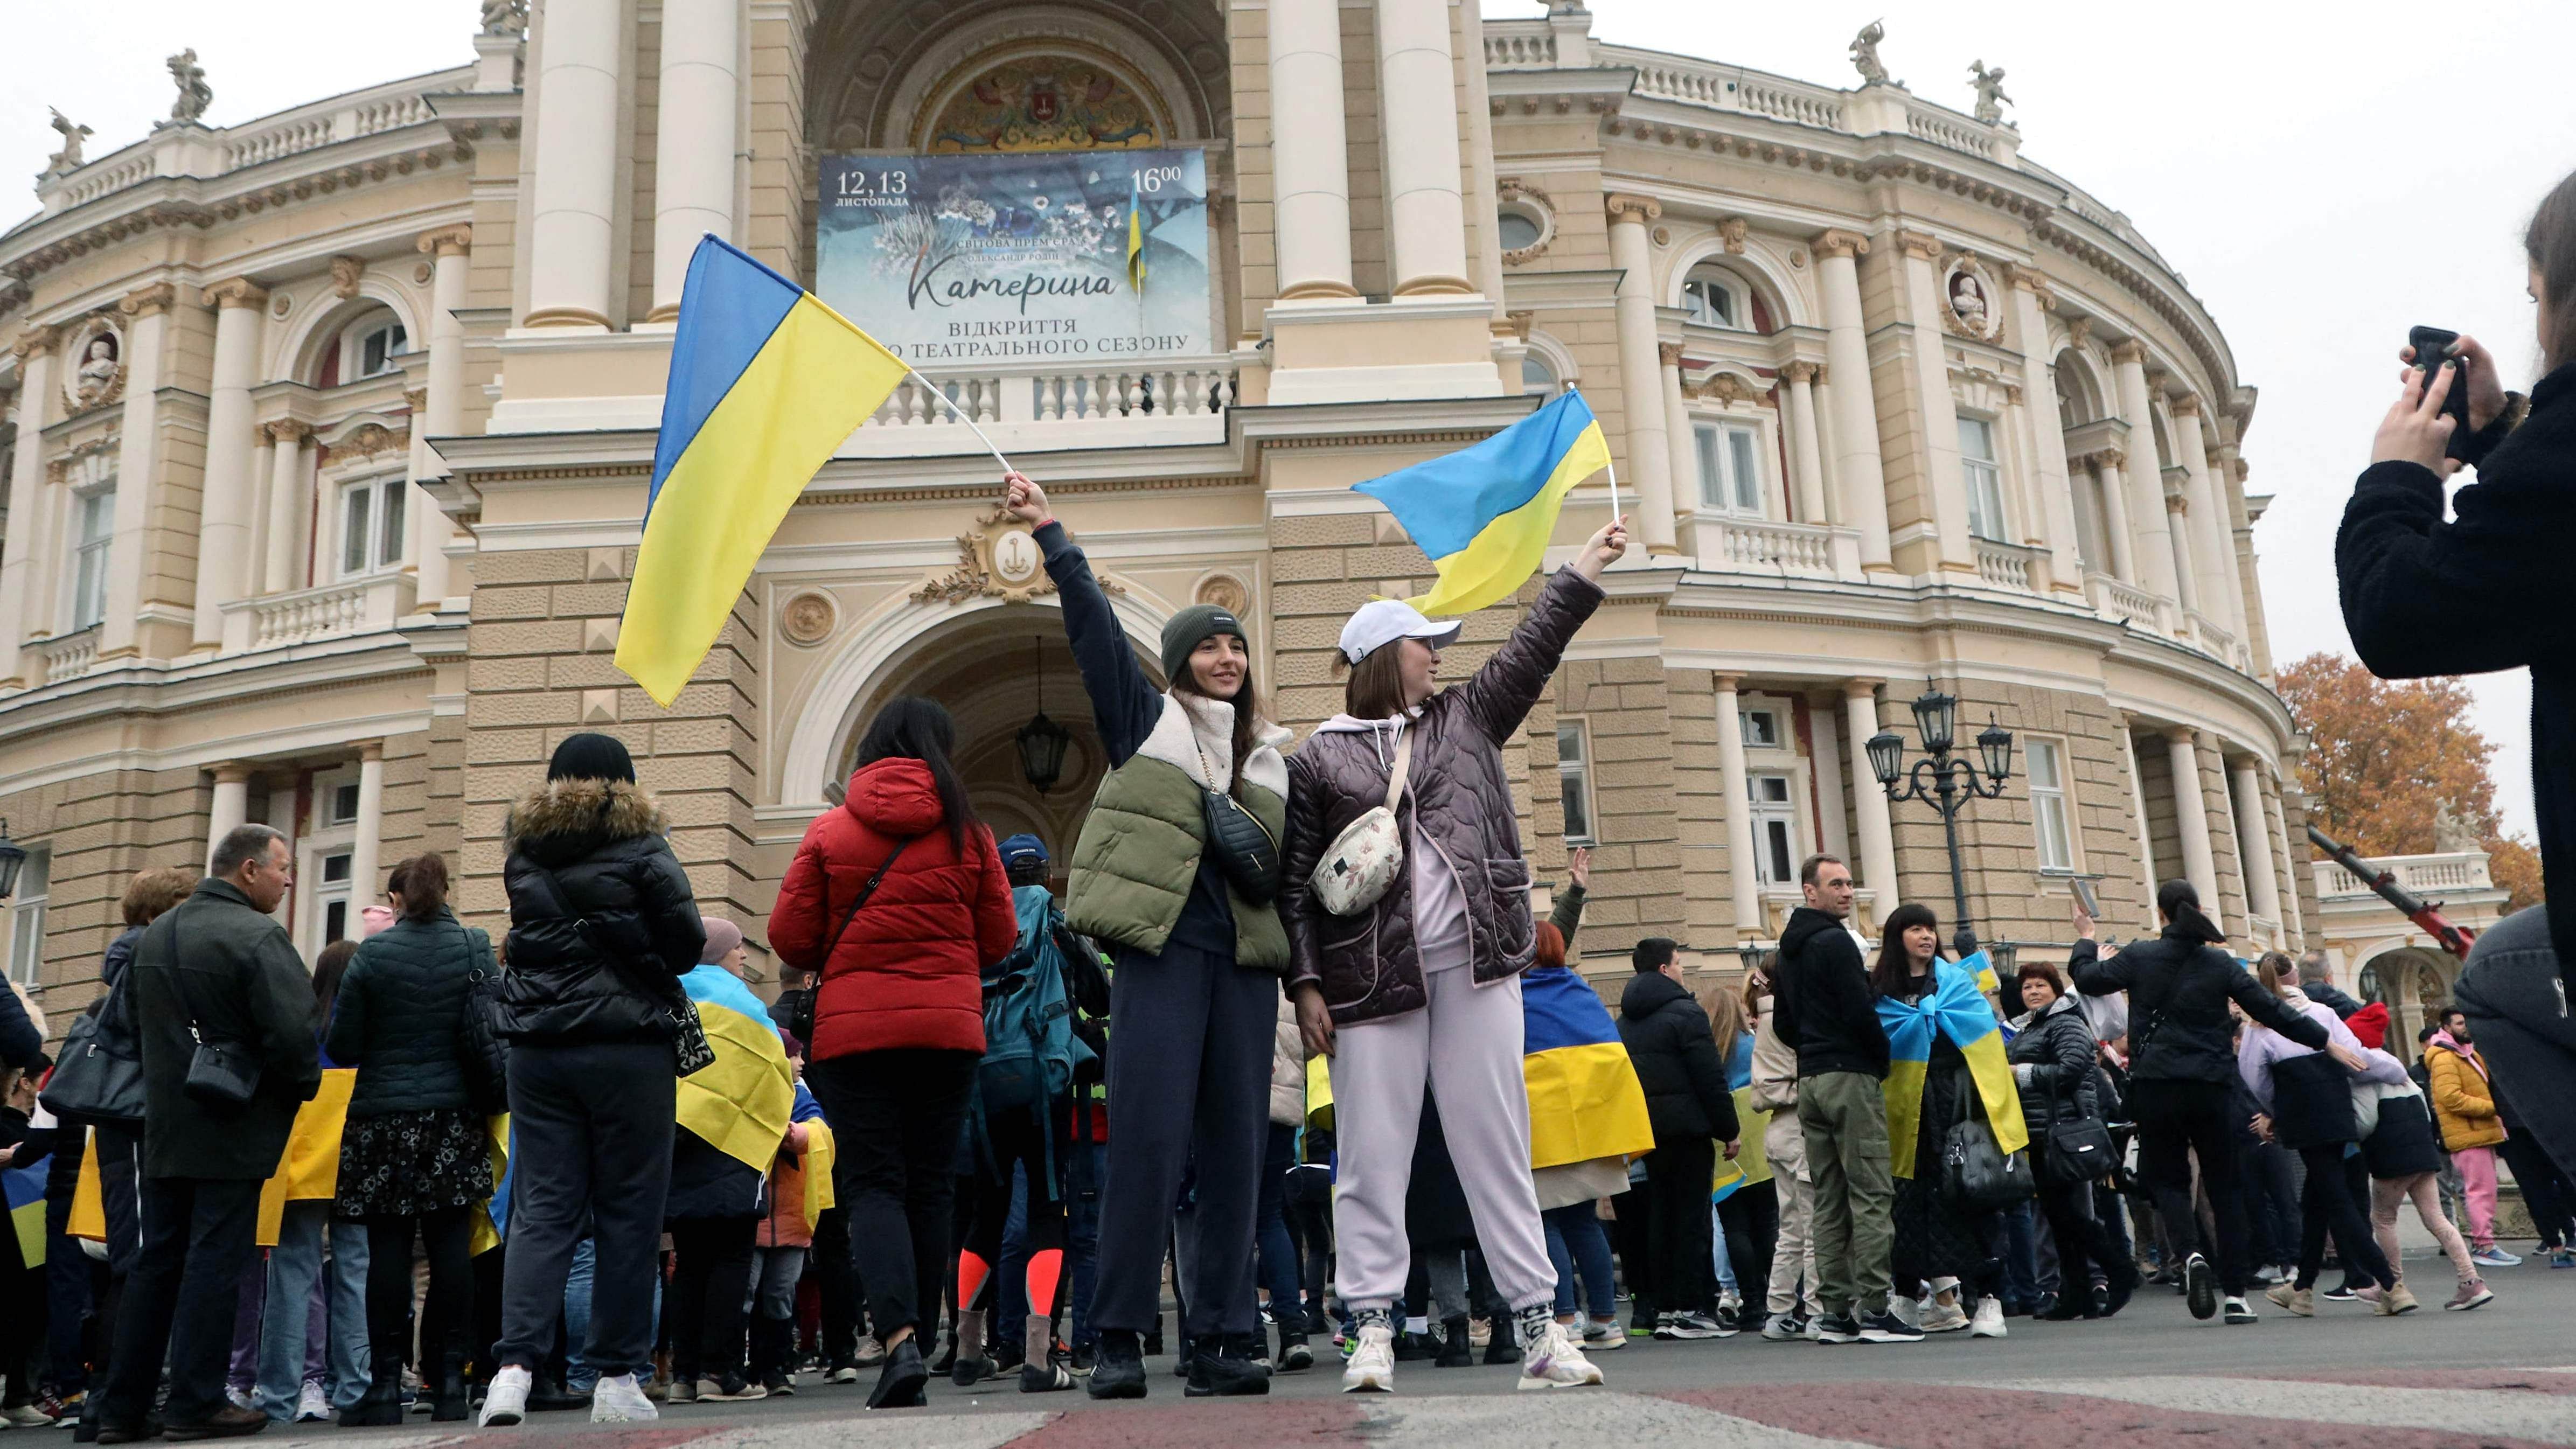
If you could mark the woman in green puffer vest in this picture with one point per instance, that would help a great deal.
(1196, 994)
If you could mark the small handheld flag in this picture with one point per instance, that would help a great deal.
(765, 384)
(1484, 514)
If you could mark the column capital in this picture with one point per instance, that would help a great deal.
(447, 241)
(1803, 372)
(288, 430)
(416, 398)
(2183, 735)
(2128, 349)
(1861, 688)
(2176, 503)
(1726, 683)
(1922, 246)
(1627, 207)
(372, 752)
(2184, 405)
(235, 292)
(231, 772)
(2026, 279)
(2012, 394)
(148, 301)
(1669, 353)
(1836, 242)
(34, 341)
(2157, 377)
(2102, 458)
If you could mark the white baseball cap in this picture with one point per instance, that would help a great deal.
(1381, 622)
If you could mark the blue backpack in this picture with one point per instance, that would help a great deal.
(1030, 1049)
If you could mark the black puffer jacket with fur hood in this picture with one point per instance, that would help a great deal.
(600, 912)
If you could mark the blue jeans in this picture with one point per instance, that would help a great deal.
(1721, 1259)
(1089, 1165)
(2022, 1282)
(1011, 1274)
(580, 1377)
(1577, 1243)
(1275, 1253)
(298, 1292)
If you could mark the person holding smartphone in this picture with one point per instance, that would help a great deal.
(2485, 589)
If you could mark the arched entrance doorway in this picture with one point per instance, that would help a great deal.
(2415, 984)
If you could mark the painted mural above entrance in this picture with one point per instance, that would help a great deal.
(1043, 103)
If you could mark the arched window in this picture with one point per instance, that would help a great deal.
(1716, 297)
(371, 344)
(1537, 378)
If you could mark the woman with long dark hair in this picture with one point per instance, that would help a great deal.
(413, 1160)
(2182, 1064)
(897, 897)
(1189, 909)
(1940, 1249)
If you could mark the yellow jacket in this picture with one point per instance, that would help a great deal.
(2463, 1100)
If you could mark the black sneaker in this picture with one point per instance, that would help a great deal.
(1222, 1373)
(1455, 1349)
(1154, 1339)
(1294, 1354)
(1837, 1328)
(966, 1372)
(1687, 1326)
(2201, 1285)
(1119, 1370)
(1730, 1320)
(900, 1382)
(1411, 1346)
(778, 1384)
(1083, 1359)
(1886, 1327)
(2344, 1292)
(1045, 1378)
(1500, 1347)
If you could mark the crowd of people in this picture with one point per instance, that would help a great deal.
(1363, 1099)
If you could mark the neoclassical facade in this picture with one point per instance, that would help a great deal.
(328, 438)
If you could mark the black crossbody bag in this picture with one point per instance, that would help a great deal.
(222, 1075)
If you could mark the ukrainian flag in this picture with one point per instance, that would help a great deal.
(1484, 514)
(1958, 1011)
(310, 1166)
(741, 1105)
(1135, 238)
(24, 1188)
(765, 384)
(1584, 1099)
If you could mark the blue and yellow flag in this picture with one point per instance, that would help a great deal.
(765, 384)
(741, 1105)
(1583, 1095)
(1958, 1011)
(310, 1166)
(1483, 515)
(1135, 238)
(25, 1190)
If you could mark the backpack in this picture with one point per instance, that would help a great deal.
(1030, 1050)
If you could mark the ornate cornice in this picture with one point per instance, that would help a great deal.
(1625, 206)
(447, 241)
(1836, 242)
(237, 292)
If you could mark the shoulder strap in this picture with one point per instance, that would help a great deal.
(1403, 767)
(860, 901)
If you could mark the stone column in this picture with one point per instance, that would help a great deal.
(2293, 861)
(2191, 821)
(2186, 579)
(1945, 485)
(225, 570)
(2115, 512)
(1806, 453)
(2254, 845)
(1426, 214)
(231, 807)
(443, 410)
(2138, 813)
(365, 885)
(697, 136)
(2053, 479)
(573, 202)
(1310, 171)
(138, 456)
(288, 510)
(1679, 446)
(1641, 391)
(1869, 799)
(35, 349)
(2213, 543)
(1741, 872)
(2146, 501)
(1856, 456)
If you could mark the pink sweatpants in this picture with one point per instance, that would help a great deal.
(2478, 1184)
(2424, 1189)
(1465, 1044)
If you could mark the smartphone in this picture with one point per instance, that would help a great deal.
(2433, 348)
(2084, 897)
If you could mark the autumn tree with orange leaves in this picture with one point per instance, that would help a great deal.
(2395, 768)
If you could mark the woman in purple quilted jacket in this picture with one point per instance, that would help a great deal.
(1421, 988)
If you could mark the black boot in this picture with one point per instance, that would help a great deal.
(1119, 1370)
(449, 1406)
(899, 1383)
(382, 1404)
(1455, 1350)
(1499, 1347)
(1225, 1369)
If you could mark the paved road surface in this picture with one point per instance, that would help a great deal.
(2504, 1375)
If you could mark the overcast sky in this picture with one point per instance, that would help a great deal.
(2324, 177)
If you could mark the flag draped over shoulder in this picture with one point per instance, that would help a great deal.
(765, 384)
(1958, 1011)
(742, 1104)
(1583, 1095)
(1483, 515)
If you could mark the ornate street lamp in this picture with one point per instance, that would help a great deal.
(1042, 741)
(1756, 958)
(1944, 782)
(12, 856)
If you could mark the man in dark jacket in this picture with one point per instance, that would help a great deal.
(2316, 978)
(1824, 1008)
(217, 969)
(1691, 1110)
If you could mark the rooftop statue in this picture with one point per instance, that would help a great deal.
(194, 94)
(67, 160)
(1990, 92)
(1864, 53)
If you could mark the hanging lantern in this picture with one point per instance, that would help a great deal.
(1042, 742)
(1995, 743)
(1886, 756)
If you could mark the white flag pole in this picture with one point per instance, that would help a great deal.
(961, 416)
(1611, 468)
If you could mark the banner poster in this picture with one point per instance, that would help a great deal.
(957, 261)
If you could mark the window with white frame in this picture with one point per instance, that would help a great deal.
(27, 916)
(1574, 780)
(1775, 828)
(339, 802)
(1538, 379)
(1516, 229)
(1761, 728)
(1985, 477)
(2045, 766)
(1730, 467)
(1715, 297)
(376, 349)
(371, 526)
(93, 538)
(331, 898)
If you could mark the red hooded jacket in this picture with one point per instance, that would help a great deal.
(907, 972)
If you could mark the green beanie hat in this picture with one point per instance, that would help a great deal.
(1191, 627)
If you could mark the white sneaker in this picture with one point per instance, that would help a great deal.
(506, 1401)
(313, 1406)
(1599, 1337)
(618, 1400)
(2492, 1256)
(1372, 1361)
(1989, 1322)
(1914, 1313)
(1553, 1362)
(1946, 1317)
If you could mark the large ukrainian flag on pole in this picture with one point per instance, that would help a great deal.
(1957, 1010)
(765, 384)
(1484, 514)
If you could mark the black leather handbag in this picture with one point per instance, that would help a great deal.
(222, 1075)
(481, 1050)
(1977, 1175)
(2075, 1149)
(1243, 848)
(92, 1082)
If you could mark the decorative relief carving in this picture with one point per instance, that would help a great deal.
(1535, 206)
(1969, 300)
(1806, 372)
(1837, 242)
(2128, 349)
(807, 619)
(1625, 207)
(996, 559)
(237, 292)
(1669, 353)
(1226, 592)
(1733, 230)
(1729, 389)
(279, 304)
(345, 272)
(96, 377)
(2186, 405)
(2079, 333)
(1044, 103)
